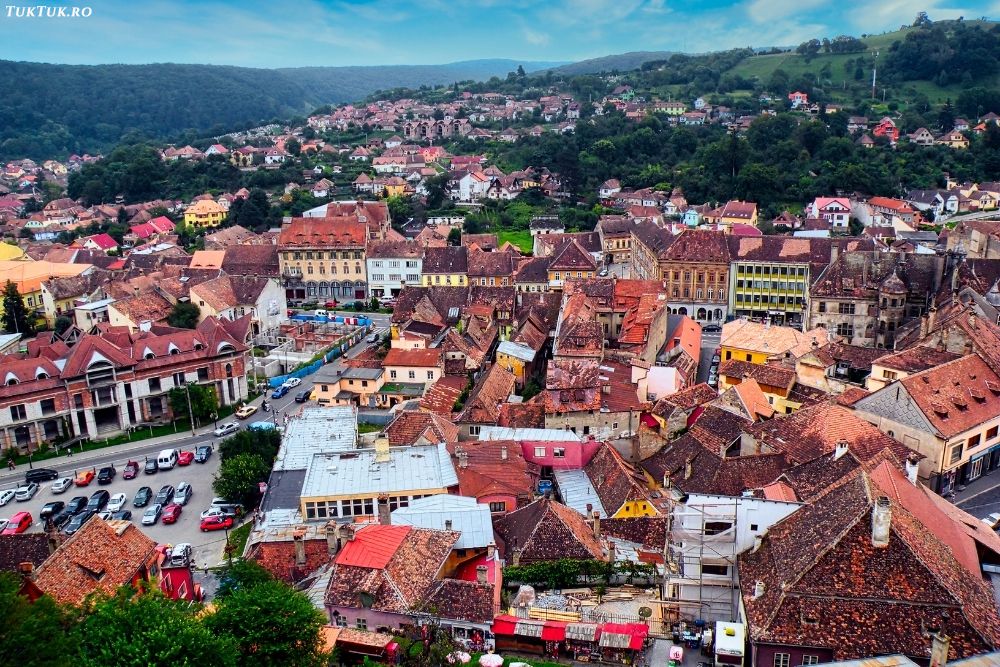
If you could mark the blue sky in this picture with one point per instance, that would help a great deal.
(288, 33)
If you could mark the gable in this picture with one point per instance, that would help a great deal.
(894, 403)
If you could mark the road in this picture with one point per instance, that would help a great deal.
(709, 344)
(207, 546)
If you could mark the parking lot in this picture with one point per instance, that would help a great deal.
(207, 546)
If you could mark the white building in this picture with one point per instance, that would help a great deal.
(392, 265)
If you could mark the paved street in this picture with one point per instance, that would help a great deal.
(709, 344)
(982, 496)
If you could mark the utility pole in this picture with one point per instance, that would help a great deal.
(187, 392)
(874, 71)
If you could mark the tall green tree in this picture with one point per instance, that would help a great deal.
(33, 634)
(259, 442)
(184, 315)
(204, 401)
(272, 625)
(15, 315)
(148, 631)
(239, 476)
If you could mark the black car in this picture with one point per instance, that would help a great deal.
(98, 500)
(122, 515)
(164, 495)
(303, 396)
(106, 474)
(62, 518)
(76, 504)
(711, 328)
(76, 523)
(202, 454)
(51, 509)
(150, 466)
(40, 475)
(142, 496)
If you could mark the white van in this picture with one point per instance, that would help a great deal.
(167, 459)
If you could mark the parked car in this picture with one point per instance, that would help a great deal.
(49, 510)
(122, 515)
(3, 524)
(61, 484)
(131, 470)
(105, 514)
(711, 328)
(117, 502)
(291, 383)
(716, 359)
(6, 496)
(372, 338)
(164, 495)
(26, 492)
(98, 500)
(184, 458)
(183, 493)
(142, 496)
(303, 396)
(84, 477)
(152, 515)
(993, 520)
(76, 523)
(216, 522)
(106, 475)
(151, 466)
(61, 518)
(219, 511)
(202, 454)
(246, 411)
(277, 393)
(181, 554)
(225, 429)
(319, 313)
(171, 513)
(40, 475)
(76, 504)
(18, 523)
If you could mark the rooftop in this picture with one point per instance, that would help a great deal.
(357, 472)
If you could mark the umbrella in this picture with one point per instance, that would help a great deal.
(461, 657)
(491, 660)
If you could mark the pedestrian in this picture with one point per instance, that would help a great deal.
(11, 465)
(69, 451)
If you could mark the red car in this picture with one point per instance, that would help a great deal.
(216, 523)
(19, 523)
(84, 477)
(185, 458)
(131, 470)
(171, 513)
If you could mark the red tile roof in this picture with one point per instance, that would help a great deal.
(440, 397)
(420, 358)
(410, 426)
(546, 530)
(373, 546)
(323, 233)
(957, 395)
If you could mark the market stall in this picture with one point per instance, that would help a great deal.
(620, 643)
(582, 641)
(529, 635)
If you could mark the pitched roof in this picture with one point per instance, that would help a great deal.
(573, 257)
(100, 557)
(492, 467)
(491, 391)
(956, 395)
(23, 548)
(917, 359)
(685, 399)
(323, 232)
(766, 375)
(616, 481)
(449, 259)
(694, 245)
(419, 358)
(547, 530)
(410, 426)
(771, 339)
(440, 397)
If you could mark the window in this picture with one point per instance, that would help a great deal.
(845, 330)
(412, 375)
(974, 441)
(17, 412)
(48, 406)
(753, 528)
(956, 453)
(719, 570)
(781, 660)
(889, 375)
(539, 451)
(614, 426)
(845, 308)
(716, 527)
(392, 375)
(473, 430)
(992, 433)
(810, 660)
(203, 374)
(498, 507)
(430, 375)
(362, 624)
(749, 357)
(342, 621)
(822, 306)
(559, 452)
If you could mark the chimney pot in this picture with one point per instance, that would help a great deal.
(758, 589)
(590, 509)
(463, 459)
(447, 524)
(881, 522)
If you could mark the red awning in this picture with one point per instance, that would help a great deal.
(504, 625)
(554, 631)
(620, 635)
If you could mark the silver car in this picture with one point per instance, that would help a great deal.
(26, 492)
(62, 484)
(183, 493)
(152, 515)
(227, 428)
(6, 496)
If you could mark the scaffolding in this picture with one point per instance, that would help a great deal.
(701, 579)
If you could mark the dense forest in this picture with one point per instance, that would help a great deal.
(53, 110)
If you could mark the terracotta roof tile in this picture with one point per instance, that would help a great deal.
(616, 481)
(411, 427)
(278, 557)
(493, 467)
(440, 397)
(957, 395)
(547, 530)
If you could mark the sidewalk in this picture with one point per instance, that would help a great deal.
(988, 482)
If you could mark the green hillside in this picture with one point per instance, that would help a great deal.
(836, 72)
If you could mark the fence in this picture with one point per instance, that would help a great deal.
(336, 351)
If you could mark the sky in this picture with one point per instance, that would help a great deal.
(291, 33)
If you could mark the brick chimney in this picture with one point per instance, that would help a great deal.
(332, 543)
(300, 547)
(384, 515)
(597, 524)
(881, 522)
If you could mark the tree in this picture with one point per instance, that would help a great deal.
(203, 401)
(15, 315)
(922, 20)
(400, 209)
(258, 442)
(455, 236)
(148, 630)
(184, 315)
(32, 633)
(62, 323)
(293, 146)
(241, 574)
(271, 624)
(239, 476)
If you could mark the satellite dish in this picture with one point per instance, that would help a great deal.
(645, 612)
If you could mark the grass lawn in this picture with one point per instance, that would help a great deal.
(520, 238)
(238, 539)
(369, 428)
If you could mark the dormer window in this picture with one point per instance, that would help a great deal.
(10, 380)
(40, 374)
(173, 349)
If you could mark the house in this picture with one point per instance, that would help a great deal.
(953, 139)
(695, 274)
(609, 188)
(417, 427)
(494, 472)
(325, 257)
(233, 297)
(392, 265)
(101, 242)
(482, 408)
(736, 212)
(867, 538)
(204, 213)
(445, 266)
(571, 261)
(547, 530)
(835, 209)
(921, 137)
(99, 558)
(886, 128)
(757, 343)
(798, 99)
(414, 366)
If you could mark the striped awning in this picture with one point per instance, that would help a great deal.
(529, 629)
(583, 632)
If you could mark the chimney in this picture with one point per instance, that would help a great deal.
(688, 467)
(381, 449)
(503, 452)
(911, 468)
(448, 524)
(842, 447)
(516, 557)
(590, 509)
(300, 547)
(931, 318)
(597, 524)
(491, 550)
(924, 325)
(834, 252)
(332, 544)
(940, 644)
(384, 515)
(481, 574)
(757, 541)
(26, 569)
(881, 521)
(666, 480)
(612, 553)
(758, 589)
(463, 459)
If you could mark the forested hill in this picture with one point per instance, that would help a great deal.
(51, 110)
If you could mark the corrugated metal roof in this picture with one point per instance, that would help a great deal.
(316, 430)
(355, 473)
(470, 518)
(505, 433)
(516, 350)
(577, 492)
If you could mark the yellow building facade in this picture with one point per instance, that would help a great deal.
(204, 213)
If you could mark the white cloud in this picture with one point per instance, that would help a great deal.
(535, 38)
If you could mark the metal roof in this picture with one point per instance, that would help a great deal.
(505, 433)
(577, 491)
(355, 473)
(516, 350)
(363, 373)
(469, 517)
(316, 430)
